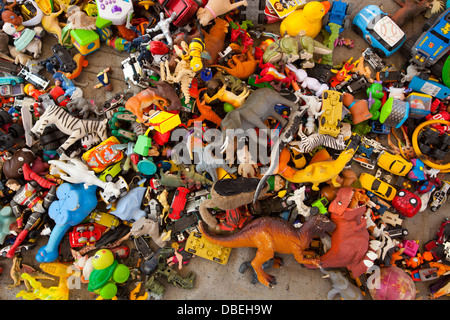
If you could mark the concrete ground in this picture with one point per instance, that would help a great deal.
(224, 282)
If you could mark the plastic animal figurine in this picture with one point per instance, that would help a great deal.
(26, 40)
(183, 73)
(409, 9)
(141, 103)
(75, 128)
(84, 107)
(171, 180)
(350, 246)
(341, 286)
(299, 197)
(6, 218)
(163, 89)
(270, 235)
(74, 203)
(210, 165)
(314, 106)
(311, 142)
(241, 65)
(149, 227)
(227, 96)
(228, 194)
(307, 82)
(258, 106)
(206, 112)
(106, 274)
(316, 172)
(308, 19)
(215, 40)
(78, 19)
(52, 25)
(128, 207)
(189, 172)
(291, 48)
(162, 198)
(18, 268)
(215, 8)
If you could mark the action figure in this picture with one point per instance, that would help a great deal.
(164, 26)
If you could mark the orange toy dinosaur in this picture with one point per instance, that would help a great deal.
(241, 65)
(142, 102)
(206, 112)
(270, 235)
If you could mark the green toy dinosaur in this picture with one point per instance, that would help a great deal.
(290, 49)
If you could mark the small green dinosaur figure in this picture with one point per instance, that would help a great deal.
(171, 180)
(191, 174)
(290, 49)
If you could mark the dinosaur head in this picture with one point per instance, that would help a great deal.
(320, 225)
(348, 198)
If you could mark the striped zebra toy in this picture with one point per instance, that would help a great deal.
(75, 128)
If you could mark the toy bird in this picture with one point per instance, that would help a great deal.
(308, 19)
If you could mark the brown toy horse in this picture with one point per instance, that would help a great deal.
(215, 40)
(270, 235)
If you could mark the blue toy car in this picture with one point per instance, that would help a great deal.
(383, 34)
(433, 44)
(6, 78)
(338, 14)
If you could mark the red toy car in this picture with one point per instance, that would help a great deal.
(185, 10)
(406, 203)
(178, 203)
(85, 234)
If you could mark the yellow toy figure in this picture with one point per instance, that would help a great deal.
(308, 19)
(61, 292)
(104, 80)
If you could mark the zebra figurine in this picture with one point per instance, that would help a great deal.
(309, 143)
(75, 128)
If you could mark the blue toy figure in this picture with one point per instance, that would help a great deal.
(417, 173)
(129, 206)
(75, 202)
(67, 85)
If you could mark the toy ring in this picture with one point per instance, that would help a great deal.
(442, 168)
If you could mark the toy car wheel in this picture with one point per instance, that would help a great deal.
(5, 118)
(80, 229)
(16, 130)
(91, 228)
(82, 240)
(109, 178)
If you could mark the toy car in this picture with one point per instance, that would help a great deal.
(9, 67)
(434, 43)
(36, 79)
(6, 78)
(185, 224)
(377, 186)
(439, 196)
(86, 234)
(104, 219)
(132, 70)
(199, 246)
(330, 120)
(185, 10)
(383, 34)
(395, 164)
(8, 90)
(178, 203)
(338, 14)
(111, 172)
(103, 155)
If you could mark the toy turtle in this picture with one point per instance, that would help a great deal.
(107, 272)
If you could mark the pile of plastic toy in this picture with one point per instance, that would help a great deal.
(236, 137)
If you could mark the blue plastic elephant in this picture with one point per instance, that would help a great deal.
(74, 203)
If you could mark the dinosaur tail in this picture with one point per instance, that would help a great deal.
(235, 240)
(368, 261)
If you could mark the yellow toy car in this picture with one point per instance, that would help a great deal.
(394, 163)
(378, 187)
(104, 219)
(330, 120)
(199, 246)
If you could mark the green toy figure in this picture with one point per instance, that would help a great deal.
(107, 272)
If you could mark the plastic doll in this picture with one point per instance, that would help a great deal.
(164, 26)
(62, 81)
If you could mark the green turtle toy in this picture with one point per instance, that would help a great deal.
(107, 272)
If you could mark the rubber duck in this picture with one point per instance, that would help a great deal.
(308, 19)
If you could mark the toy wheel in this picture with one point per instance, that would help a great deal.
(91, 228)
(430, 21)
(16, 130)
(5, 118)
(82, 240)
(80, 229)
(109, 178)
(350, 7)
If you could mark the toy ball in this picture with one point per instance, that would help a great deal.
(227, 107)
(392, 283)
(102, 259)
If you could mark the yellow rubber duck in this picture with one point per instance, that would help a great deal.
(308, 19)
